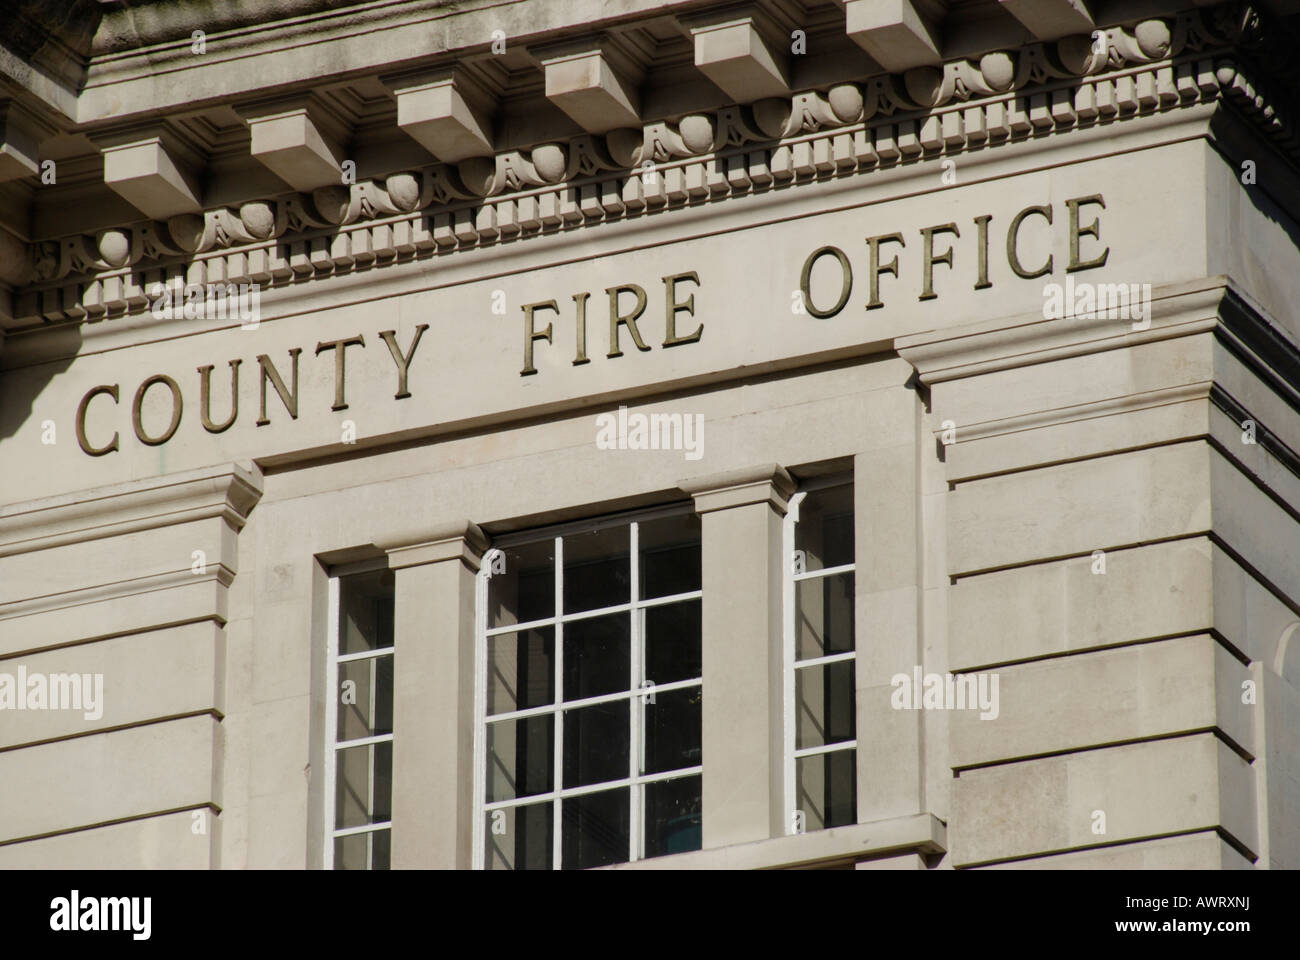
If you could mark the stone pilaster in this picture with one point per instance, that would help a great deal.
(433, 708)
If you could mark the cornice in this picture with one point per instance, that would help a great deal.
(763, 483)
(216, 574)
(455, 540)
(227, 491)
(1006, 343)
(847, 129)
(1215, 306)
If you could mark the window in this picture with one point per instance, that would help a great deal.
(589, 694)
(820, 713)
(359, 721)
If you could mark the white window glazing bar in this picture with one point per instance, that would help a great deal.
(822, 661)
(331, 715)
(372, 756)
(641, 779)
(364, 828)
(363, 655)
(589, 614)
(478, 850)
(363, 741)
(788, 655)
(557, 814)
(822, 573)
(825, 748)
(590, 701)
(637, 702)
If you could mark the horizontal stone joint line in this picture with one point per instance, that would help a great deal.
(1282, 597)
(99, 731)
(116, 634)
(1111, 844)
(1085, 411)
(1093, 747)
(1082, 458)
(1108, 548)
(166, 580)
(153, 814)
(1104, 647)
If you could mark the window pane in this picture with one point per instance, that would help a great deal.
(521, 670)
(519, 838)
(672, 730)
(363, 851)
(672, 641)
(824, 616)
(381, 849)
(825, 529)
(520, 757)
(826, 789)
(525, 591)
(596, 744)
(363, 785)
(824, 704)
(366, 611)
(595, 829)
(670, 555)
(597, 656)
(597, 569)
(352, 852)
(672, 816)
(365, 697)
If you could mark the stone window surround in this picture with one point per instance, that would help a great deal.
(740, 510)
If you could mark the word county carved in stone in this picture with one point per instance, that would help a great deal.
(269, 374)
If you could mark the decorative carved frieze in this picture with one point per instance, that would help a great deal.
(846, 129)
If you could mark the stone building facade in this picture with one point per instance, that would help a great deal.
(650, 433)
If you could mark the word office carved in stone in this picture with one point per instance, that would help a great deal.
(883, 259)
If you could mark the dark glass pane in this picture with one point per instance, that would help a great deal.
(595, 829)
(520, 757)
(672, 730)
(670, 555)
(521, 670)
(824, 532)
(363, 787)
(826, 789)
(824, 616)
(365, 698)
(672, 816)
(525, 590)
(824, 704)
(596, 743)
(597, 656)
(381, 849)
(382, 804)
(597, 569)
(672, 642)
(366, 611)
(519, 838)
(352, 852)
